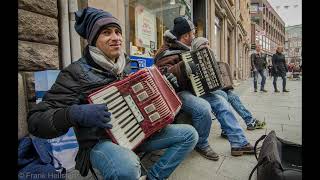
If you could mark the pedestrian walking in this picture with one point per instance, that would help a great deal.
(279, 69)
(258, 66)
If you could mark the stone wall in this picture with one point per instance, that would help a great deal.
(38, 48)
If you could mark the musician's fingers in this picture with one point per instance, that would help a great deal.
(105, 120)
(107, 114)
(106, 125)
(170, 76)
(105, 105)
(174, 78)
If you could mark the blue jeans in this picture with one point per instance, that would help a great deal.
(237, 105)
(200, 108)
(255, 78)
(116, 163)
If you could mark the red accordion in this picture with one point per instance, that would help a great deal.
(140, 104)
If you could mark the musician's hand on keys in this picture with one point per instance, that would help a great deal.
(173, 80)
(90, 115)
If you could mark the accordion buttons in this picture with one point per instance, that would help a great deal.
(137, 87)
(149, 108)
(142, 96)
(155, 116)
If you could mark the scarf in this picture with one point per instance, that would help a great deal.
(105, 62)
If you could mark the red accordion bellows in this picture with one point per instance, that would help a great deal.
(140, 104)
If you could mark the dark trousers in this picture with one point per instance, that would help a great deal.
(255, 77)
(284, 80)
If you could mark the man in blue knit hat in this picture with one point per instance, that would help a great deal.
(65, 105)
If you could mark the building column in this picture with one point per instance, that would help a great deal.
(246, 63)
(211, 22)
(224, 34)
(233, 52)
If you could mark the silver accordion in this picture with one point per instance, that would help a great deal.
(208, 76)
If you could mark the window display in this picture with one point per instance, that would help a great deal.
(149, 19)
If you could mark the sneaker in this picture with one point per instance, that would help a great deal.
(263, 90)
(208, 153)
(276, 91)
(224, 135)
(285, 90)
(247, 149)
(256, 124)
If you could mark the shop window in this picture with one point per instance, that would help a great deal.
(254, 7)
(149, 19)
(255, 19)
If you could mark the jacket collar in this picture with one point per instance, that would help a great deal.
(98, 68)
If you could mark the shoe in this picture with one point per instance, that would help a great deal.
(285, 90)
(276, 91)
(224, 135)
(255, 90)
(256, 124)
(263, 90)
(247, 149)
(208, 153)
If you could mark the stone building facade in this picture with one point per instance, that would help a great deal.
(38, 48)
(293, 44)
(267, 27)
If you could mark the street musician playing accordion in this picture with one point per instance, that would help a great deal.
(66, 106)
(251, 122)
(176, 42)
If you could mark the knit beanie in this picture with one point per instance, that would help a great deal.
(181, 26)
(197, 42)
(91, 21)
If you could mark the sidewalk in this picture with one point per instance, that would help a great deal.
(282, 113)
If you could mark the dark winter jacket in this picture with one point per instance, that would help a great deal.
(279, 64)
(49, 118)
(258, 62)
(168, 57)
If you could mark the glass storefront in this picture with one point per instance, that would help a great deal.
(149, 19)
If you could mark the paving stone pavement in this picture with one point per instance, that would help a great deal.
(282, 113)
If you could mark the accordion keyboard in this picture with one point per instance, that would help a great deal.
(125, 117)
(207, 78)
(131, 104)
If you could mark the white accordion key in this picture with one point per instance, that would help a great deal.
(101, 96)
(135, 110)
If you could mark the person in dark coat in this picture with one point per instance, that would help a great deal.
(280, 69)
(65, 105)
(258, 66)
